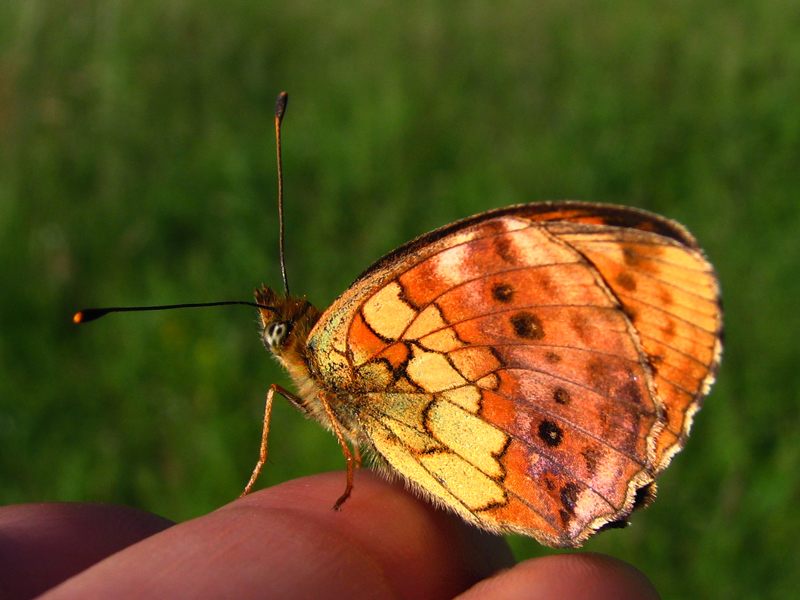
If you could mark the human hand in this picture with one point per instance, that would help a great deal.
(286, 542)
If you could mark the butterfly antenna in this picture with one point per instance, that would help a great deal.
(90, 314)
(280, 109)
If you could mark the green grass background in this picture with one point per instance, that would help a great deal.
(137, 167)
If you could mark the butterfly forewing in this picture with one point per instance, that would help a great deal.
(671, 295)
(529, 372)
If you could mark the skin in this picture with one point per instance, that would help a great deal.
(286, 542)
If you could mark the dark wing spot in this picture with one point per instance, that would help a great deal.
(666, 297)
(642, 260)
(592, 457)
(502, 292)
(626, 281)
(527, 325)
(569, 497)
(630, 392)
(599, 375)
(561, 396)
(544, 282)
(504, 249)
(631, 257)
(550, 433)
(582, 325)
(553, 357)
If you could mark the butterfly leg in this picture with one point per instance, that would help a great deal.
(262, 458)
(357, 456)
(351, 460)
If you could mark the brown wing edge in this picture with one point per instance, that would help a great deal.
(562, 210)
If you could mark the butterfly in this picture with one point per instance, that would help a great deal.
(532, 368)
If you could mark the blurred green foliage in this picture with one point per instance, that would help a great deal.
(137, 167)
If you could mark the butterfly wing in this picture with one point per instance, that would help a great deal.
(532, 368)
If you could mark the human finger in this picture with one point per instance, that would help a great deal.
(580, 575)
(43, 544)
(287, 542)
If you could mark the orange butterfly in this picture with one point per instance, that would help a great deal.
(532, 368)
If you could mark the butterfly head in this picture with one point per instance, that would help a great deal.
(285, 320)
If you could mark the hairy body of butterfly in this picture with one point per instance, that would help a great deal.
(532, 368)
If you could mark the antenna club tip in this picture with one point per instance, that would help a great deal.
(280, 105)
(90, 314)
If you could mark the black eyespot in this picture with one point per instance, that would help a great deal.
(550, 433)
(527, 325)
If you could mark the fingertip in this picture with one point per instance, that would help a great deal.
(565, 577)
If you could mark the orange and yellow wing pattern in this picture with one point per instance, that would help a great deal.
(532, 368)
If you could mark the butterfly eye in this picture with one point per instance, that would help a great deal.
(275, 334)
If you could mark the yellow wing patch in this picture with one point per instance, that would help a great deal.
(432, 371)
(386, 313)
(472, 438)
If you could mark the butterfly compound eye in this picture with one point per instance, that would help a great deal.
(275, 334)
